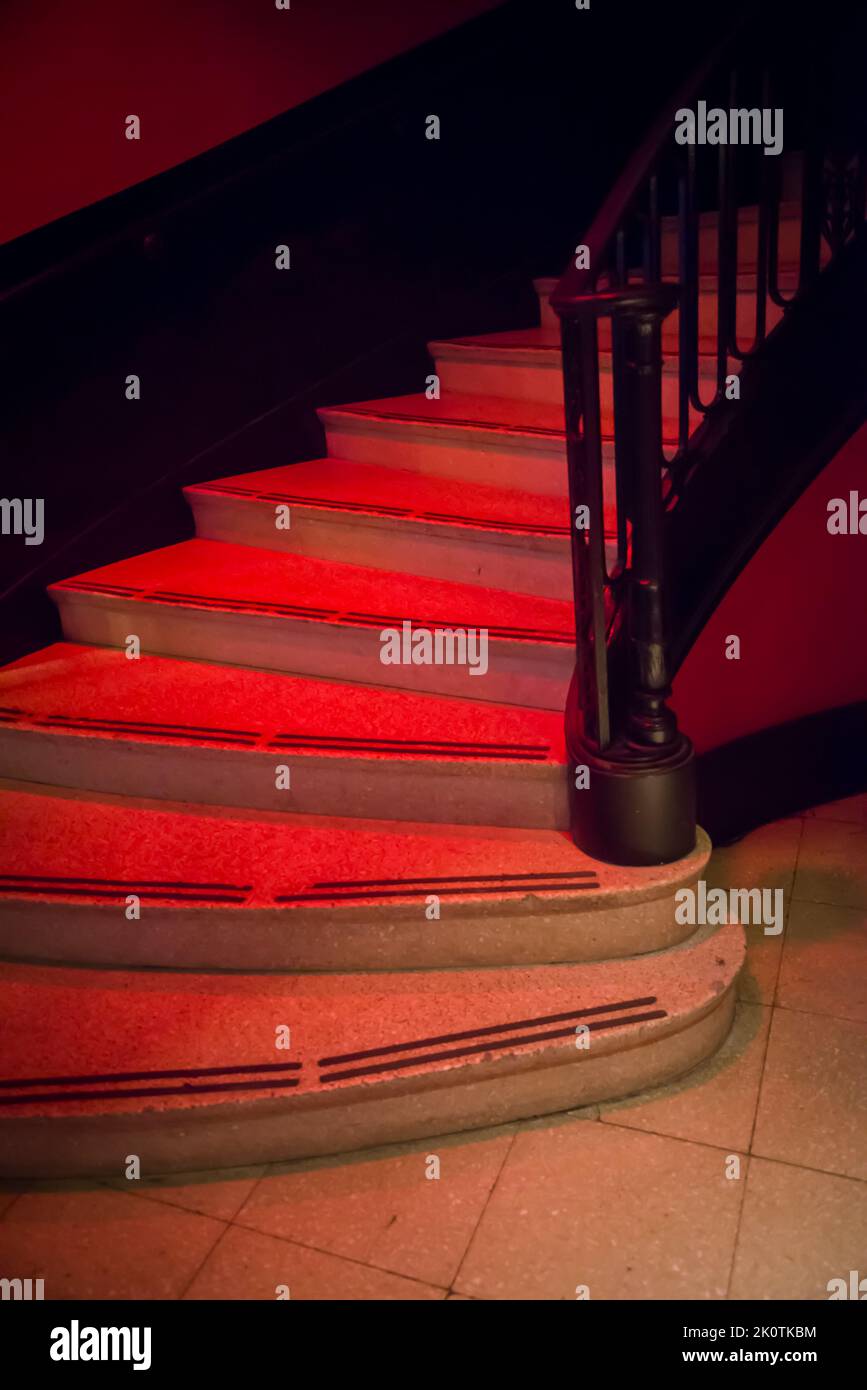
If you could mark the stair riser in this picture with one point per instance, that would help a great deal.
(527, 565)
(489, 457)
(707, 321)
(788, 243)
(471, 792)
(468, 375)
(362, 937)
(357, 1117)
(519, 672)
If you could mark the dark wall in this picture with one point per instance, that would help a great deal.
(196, 73)
(394, 240)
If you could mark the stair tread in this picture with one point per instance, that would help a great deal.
(393, 491)
(503, 413)
(541, 344)
(512, 417)
(239, 578)
(90, 1042)
(228, 858)
(75, 690)
(539, 341)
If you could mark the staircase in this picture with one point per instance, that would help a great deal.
(270, 887)
(206, 966)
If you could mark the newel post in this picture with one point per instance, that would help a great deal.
(635, 802)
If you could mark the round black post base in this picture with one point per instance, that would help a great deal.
(638, 807)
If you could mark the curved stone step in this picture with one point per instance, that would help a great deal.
(119, 882)
(86, 717)
(184, 1071)
(364, 514)
(236, 604)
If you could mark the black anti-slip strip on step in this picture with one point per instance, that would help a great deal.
(21, 885)
(238, 605)
(110, 724)
(381, 509)
(407, 751)
(95, 1078)
(500, 890)
(123, 883)
(136, 1092)
(433, 625)
(434, 422)
(90, 586)
(174, 598)
(329, 503)
(453, 878)
(482, 524)
(490, 1031)
(403, 1062)
(110, 895)
(447, 745)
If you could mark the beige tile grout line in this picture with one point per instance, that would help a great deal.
(819, 1014)
(760, 1088)
(318, 1250)
(487, 1202)
(189, 1284)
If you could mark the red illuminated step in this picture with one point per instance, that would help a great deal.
(223, 889)
(186, 731)
(527, 364)
(185, 1070)
(245, 606)
(492, 440)
(367, 515)
(501, 440)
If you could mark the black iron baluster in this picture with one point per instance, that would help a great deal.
(727, 252)
(654, 232)
(649, 720)
(812, 191)
(763, 222)
(584, 463)
(762, 233)
(624, 428)
(687, 350)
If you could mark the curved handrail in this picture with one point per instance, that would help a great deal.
(621, 732)
(575, 283)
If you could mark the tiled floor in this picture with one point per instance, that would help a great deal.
(746, 1179)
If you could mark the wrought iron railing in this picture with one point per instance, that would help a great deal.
(648, 256)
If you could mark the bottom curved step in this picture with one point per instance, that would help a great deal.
(185, 1070)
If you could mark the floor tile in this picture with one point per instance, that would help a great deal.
(813, 1100)
(716, 1102)
(798, 1230)
(765, 858)
(832, 866)
(105, 1244)
(824, 967)
(249, 1265)
(628, 1214)
(219, 1194)
(381, 1208)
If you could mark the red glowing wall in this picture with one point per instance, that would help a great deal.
(196, 73)
(799, 609)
